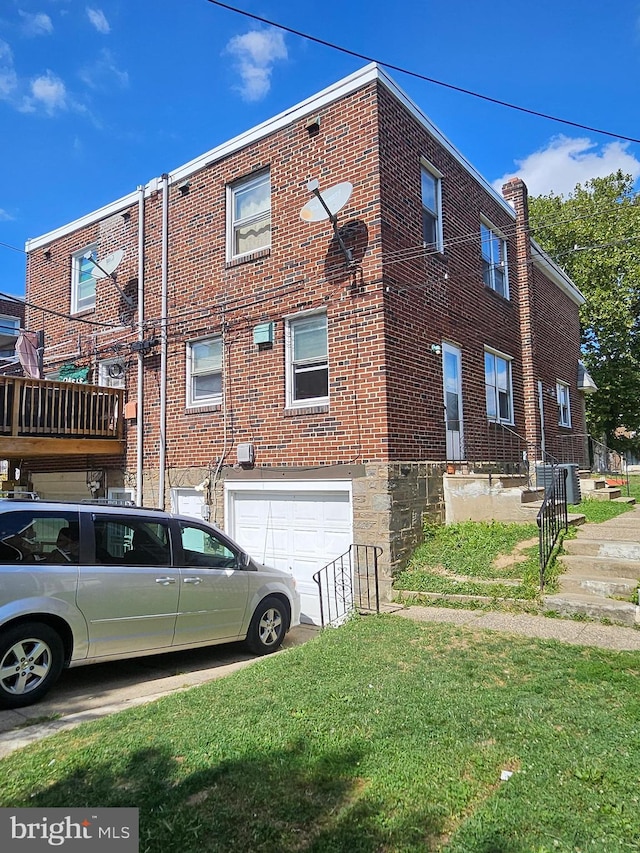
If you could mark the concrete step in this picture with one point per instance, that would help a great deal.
(593, 607)
(575, 519)
(615, 549)
(599, 585)
(529, 496)
(608, 493)
(592, 484)
(599, 566)
(611, 533)
(625, 500)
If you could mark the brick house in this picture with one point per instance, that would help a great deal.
(307, 383)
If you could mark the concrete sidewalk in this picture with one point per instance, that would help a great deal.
(540, 627)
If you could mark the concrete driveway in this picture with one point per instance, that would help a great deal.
(89, 692)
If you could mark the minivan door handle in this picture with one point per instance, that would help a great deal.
(192, 580)
(165, 581)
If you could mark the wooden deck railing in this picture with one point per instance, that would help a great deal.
(42, 407)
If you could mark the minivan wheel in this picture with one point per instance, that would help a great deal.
(268, 626)
(31, 660)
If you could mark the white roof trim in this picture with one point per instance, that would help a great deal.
(556, 274)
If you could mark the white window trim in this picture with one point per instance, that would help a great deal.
(231, 189)
(105, 379)
(214, 399)
(310, 401)
(500, 235)
(560, 388)
(76, 257)
(438, 175)
(509, 360)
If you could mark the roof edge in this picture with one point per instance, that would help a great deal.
(556, 274)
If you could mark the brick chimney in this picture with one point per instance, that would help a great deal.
(515, 192)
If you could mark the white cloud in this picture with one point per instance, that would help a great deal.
(8, 76)
(566, 162)
(98, 20)
(256, 52)
(103, 72)
(47, 92)
(38, 24)
(4, 216)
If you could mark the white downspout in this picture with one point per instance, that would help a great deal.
(140, 396)
(163, 341)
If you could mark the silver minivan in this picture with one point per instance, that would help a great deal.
(83, 583)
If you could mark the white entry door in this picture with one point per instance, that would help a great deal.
(298, 528)
(452, 379)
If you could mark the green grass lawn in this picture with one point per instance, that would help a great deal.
(383, 735)
(461, 559)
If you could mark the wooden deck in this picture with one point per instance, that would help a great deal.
(42, 417)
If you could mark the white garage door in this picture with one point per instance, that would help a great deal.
(298, 531)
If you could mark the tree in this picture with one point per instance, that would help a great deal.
(594, 235)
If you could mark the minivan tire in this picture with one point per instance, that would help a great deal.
(35, 653)
(268, 626)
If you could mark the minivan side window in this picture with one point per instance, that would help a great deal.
(29, 536)
(201, 547)
(132, 541)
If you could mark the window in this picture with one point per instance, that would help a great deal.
(307, 359)
(497, 378)
(131, 541)
(111, 373)
(9, 331)
(564, 408)
(201, 548)
(494, 260)
(83, 284)
(204, 372)
(249, 211)
(431, 224)
(32, 536)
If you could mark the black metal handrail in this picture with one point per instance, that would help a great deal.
(498, 449)
(552, 518)
(349, 583)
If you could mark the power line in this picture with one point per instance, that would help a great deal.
(419, 76)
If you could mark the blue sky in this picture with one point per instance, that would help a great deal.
(97, 98)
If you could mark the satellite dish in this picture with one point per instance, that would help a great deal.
(107, 267)
(325, 204)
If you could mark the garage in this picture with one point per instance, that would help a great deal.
(297, 527)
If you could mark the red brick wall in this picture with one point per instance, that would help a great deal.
(386, 399)
(440, 295)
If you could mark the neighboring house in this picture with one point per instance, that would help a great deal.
(306, 383)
